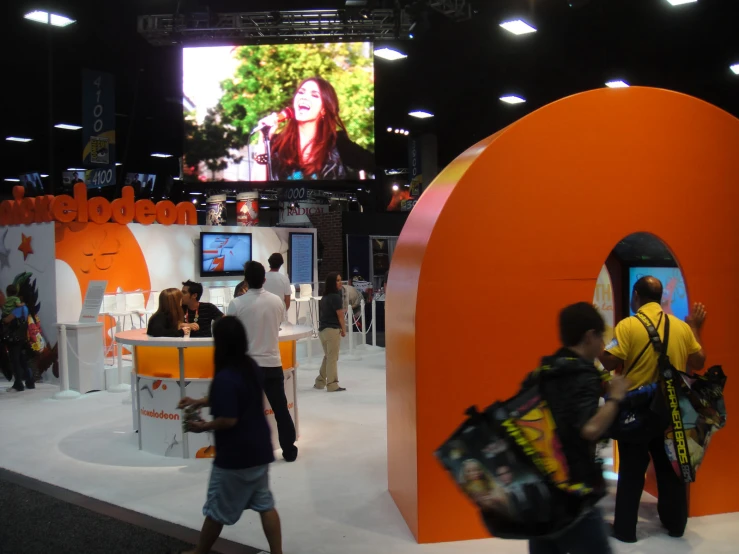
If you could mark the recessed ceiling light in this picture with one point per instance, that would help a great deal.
(420, 114)
(75, 169)
(406, 133)
(681, 2)
(160, 155)
(60, 20)
(518, 27)
(389, 54)
(68, 126)
(19, 139)
(118, 163)
(617, 84)
(389, 129)
(193, 193)
(396, 187)
(194, 200)
(511, 99)
(735, 68)
(12, 180)
(43, 175)
(38, 16)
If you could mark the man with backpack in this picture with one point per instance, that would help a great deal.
(633, 350)
(573, 390)
(15, 337)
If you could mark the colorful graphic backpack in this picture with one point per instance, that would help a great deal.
(509, 461)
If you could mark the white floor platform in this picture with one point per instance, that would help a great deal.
(333, 500)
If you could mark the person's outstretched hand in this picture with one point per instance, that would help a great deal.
(187, 401)
(697, 316)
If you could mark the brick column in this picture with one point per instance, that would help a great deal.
(328, 226)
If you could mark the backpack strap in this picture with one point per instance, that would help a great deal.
(660, 346)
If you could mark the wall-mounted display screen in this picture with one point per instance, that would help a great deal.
(301, 258)
(31, 182)
(224, 254)
(318, 100)
(674, 295)
(142, 183)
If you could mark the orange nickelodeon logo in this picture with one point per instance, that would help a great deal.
(66, 209)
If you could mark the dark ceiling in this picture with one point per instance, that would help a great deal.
(456, 70)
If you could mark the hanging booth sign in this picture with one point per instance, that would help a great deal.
(247, 209)
(98, 118)
(298, 213)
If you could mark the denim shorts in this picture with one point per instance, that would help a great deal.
(231, 491)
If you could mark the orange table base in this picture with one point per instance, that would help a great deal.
(161, 362)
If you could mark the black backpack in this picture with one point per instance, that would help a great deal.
(508, 460)
(15, 331)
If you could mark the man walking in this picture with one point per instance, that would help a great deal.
(261, 312)
(573, 390)
(199, 315)
(631, 350)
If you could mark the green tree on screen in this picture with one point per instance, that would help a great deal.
(266, 80)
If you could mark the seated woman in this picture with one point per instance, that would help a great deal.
(168, 321)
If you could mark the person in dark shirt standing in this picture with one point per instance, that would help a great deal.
(331, 327)
(239, 479)
(573, 388)
(195, 311)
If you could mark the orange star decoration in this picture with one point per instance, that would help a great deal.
(25, 246)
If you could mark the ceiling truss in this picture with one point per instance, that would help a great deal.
(272, 27)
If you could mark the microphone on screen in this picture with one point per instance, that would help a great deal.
(287, 113)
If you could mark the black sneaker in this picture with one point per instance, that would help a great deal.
(290, 457)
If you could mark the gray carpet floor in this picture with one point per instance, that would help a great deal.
(35, 523)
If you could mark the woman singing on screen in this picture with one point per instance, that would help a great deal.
(313, 145)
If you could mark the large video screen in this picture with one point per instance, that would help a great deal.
(224, 254)
(313, 104)
(674, 295)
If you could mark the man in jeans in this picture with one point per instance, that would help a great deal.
(261, 312)
(573, 389)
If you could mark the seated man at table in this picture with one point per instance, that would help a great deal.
(195, 311)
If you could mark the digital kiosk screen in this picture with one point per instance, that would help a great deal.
(301, 258)
(674, 295)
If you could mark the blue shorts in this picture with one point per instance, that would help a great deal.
(231, 491)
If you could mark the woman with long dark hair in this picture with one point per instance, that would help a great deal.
(239, 479)
(169, 320)
(331, 328)
(308, 147)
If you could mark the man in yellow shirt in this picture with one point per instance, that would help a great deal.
(631, 351)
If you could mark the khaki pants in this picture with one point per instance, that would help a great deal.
(329, 376)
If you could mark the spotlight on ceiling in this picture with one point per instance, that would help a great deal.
(396, 187)
(511, 99)
(518, 27)
(49, 18)
(735, 68)
(681, 2)
(617, 84)
(389, 54)
(421, 114)
(389, 129)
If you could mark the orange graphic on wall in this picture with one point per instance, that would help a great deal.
(25, 246)
(92, 250)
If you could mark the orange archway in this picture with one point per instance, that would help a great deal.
(517, 227)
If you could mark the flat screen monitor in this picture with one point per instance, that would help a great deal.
(142, 183)
(224, 254)
(302, 254)
(323, 89)
(674, 295)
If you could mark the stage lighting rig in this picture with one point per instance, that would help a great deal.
(456, 10)
(189, 29)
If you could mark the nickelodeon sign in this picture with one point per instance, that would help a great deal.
(66, 209)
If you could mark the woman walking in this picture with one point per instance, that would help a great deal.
(331, 327)
(239, 479)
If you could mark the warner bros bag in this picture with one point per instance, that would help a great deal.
(508, 460)
(697, 410)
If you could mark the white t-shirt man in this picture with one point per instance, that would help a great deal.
(261, 312)
(277, 283)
